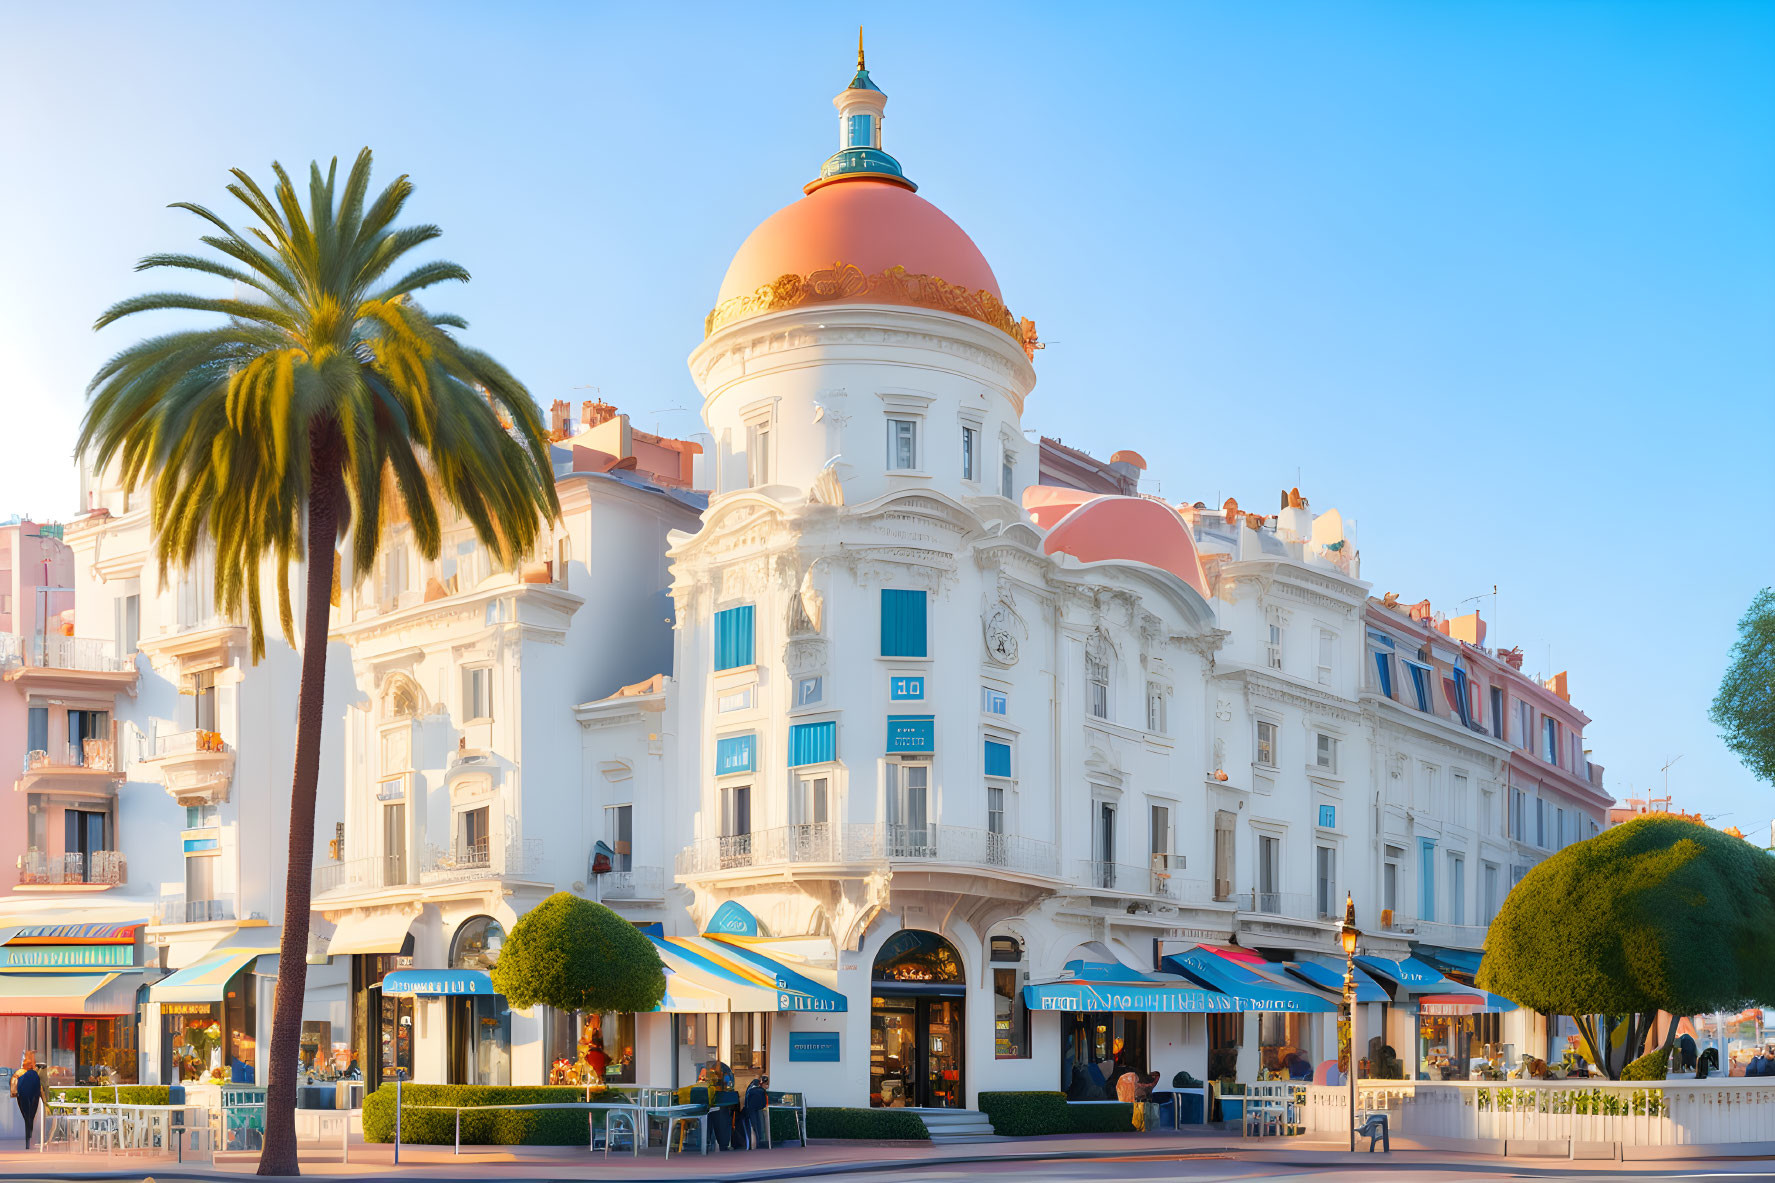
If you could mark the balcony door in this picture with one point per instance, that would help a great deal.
(908, 810)
(85, 837)
(473, 831)
(811, 809)
(394, 843)
(84, 726)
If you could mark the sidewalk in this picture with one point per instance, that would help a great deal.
(437, 1164)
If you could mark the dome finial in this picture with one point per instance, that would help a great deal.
(860, 47)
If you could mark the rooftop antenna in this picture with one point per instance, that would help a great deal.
(1493, 593)
(1666, 771)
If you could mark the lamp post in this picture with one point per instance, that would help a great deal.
(1349, 935)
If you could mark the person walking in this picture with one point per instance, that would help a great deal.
(27, 1089)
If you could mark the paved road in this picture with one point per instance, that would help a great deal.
(1236, 1167)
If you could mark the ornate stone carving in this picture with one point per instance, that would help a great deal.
(846, 283)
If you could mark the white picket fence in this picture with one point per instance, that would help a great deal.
(1548, 1113)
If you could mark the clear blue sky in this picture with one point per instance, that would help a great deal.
(1496, 279)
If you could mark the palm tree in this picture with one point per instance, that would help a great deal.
(327, 401)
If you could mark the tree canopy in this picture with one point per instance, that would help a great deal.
(573, 954)
(1659, 914)
(1744, 708)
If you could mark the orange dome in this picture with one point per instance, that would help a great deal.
(870, 225)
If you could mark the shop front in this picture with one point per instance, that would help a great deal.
(917, 1024)
(1458, 1032)
(70, 995)
(1105, 1028)
(1287, 1011)
(209, 1021)
(382, 1029)
(477, 1022)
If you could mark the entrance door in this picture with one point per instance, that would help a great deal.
(915, 1060)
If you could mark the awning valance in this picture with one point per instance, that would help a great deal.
(1112, 986)
(1253, 989)
(436, 982)
(36, 992)
(1329, 978)
(205, 979)
(377, 932)
(750, 980)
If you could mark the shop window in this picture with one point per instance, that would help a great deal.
(1097, 1048)
(1225, 1032)
(1281, 1043)
(1010, 1017)
(581, 1046)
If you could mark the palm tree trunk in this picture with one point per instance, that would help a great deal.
(324, 496)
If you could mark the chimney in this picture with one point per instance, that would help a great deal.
(1469, 628)
(1557, 684)
(594, 412)
(558, 419)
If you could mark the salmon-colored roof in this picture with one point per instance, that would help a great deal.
(870, 225)
(1131, 529)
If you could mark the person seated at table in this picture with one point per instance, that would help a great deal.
(1298, 1066)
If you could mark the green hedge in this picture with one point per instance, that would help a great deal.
(437, 1127)
(1028, 1115)
(1651, 1066)
(127, 1094)
(567, 1127)
(866, 1125)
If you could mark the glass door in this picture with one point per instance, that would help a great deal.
(942, 1066)
(893, 1053)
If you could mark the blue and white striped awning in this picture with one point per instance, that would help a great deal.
(1111, 986)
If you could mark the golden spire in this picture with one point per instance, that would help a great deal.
(859, 47)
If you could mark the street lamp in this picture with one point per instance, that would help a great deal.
(1349, 934)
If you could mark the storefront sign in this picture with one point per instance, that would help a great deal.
(808, 1003)
(188, 1008)
(66, 956)
(906, 687)
(813, 1047)
(731, 919)
(911, 733)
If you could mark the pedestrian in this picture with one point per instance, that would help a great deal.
(27, 1088)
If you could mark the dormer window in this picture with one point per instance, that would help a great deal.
(860, 131)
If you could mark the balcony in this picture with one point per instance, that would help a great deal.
(41, 871)
(195, 766)
(361, 874)
(481, 860)
(852, 844)
(176, 909)
(636, 883)
(83, 661)
(86, 769)
(1131, 879)
(1295, 905)
(1451, 936)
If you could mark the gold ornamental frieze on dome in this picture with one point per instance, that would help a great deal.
(846, 282)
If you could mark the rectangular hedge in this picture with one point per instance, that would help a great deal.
(1032, 1114)
(126, 1094)
(567, 1127)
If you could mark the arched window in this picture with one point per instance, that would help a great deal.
(477, 944)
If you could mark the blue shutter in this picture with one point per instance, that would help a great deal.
(1463, 707)
(736, 753)
(1384, 663)
(1427, 879)
(1328, 816)
(998, 758)
(911, 733)
(813, 743)
(902, 623)
(733, 638)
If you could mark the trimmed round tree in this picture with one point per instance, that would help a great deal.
(573, 954)
(1659, 914)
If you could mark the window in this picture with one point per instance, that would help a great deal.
(202, 817)
(1325, 753)
(1550, 739)
(1540, 823)
(736, 754)
(995, 810)
(813, 743)
(1390, 878)
(1103, 841)
(129, 625)
(619, 828)
(1577, 764)
(1010, 1016)
(993, 702)
(902, 623)
(1525, 726)
(811, 805)
(200, 884)
(758, 454)
(37, 729)
(736, 825)
(1007, 477)
(1491, 901)
(902, 444)
(862, 133)
(84, 836)
(1223, 854)
(1269, 874)
(1460, 698)
(204, 716)
(1426, 879)
(1266, 743)
(1497, 711)
(1488, 812)
(1159, 846)
(1457, 889)
(1328, 817)
(1420, 685)
(810, 690)
(477, 693)
(908, 793)
(970, 453)
(1155, 708)
(86, 727)
(737, 700)
(733, 638)
(394, 574)
(473, 836)
(1097, 684)
(1518, 815)
(1559, 829)
(1273, 651)
(1383, 668)
(1327, 657)
(1327, 881)
(997, 758)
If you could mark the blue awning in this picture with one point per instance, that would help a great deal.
(1112, 986)
(1253, 990)
(1329, 978)
(1415, 977)
(1464, 961)
(748, 979)
(411, 982)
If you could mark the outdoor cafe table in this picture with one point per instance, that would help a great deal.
(139, 1127)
